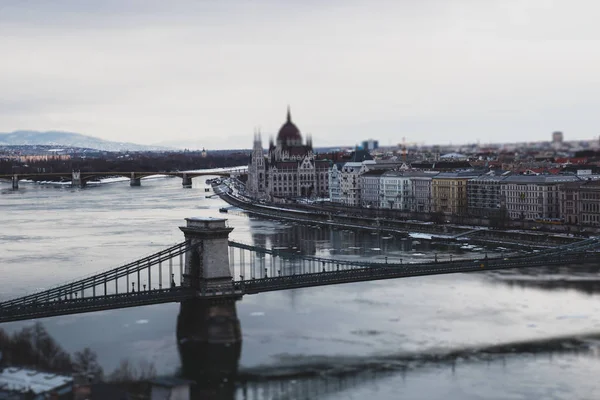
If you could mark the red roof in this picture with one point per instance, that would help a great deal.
(574, 160)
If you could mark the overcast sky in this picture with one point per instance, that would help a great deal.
(209, 72)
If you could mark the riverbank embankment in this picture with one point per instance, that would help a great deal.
(387, 225)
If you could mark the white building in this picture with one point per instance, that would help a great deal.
(170, 389)
(350, 182)
(345, 178)
(370, 187)
(335, 183)
(406, 190)
(396, 190)
(34, 384)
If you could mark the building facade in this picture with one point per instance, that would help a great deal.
(335, 183)
(484, 196)
(421, 192)
(290, 169)
(350, 187)
(589, 203)
(345, 179)
(370, 187)
(569, 202)
(534, 197)
(449, 192)
(395, 190)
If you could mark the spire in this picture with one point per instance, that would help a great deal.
(289, 114)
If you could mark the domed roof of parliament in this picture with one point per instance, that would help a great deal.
(289, 131)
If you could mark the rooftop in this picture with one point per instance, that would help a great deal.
(374, 172)
(540, 178)
(26, 380)
(458, 174)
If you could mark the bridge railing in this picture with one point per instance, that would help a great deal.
(263, 263)
(312, 264)
(88, 304)
(321, 278)
(104, 278)
(579, 246)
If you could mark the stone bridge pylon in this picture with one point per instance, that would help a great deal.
(209, 335)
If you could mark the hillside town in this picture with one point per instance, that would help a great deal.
(553, 182)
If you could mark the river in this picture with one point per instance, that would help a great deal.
(432, 337)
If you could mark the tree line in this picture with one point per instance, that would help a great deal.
(33, 347)
(136, 162)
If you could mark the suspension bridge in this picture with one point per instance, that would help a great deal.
(209, 266)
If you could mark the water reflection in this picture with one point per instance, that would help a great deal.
(587, 286)
(209, 340)
(348, 244)
(342, 243)
(44, 238)
(319, 377)
(582, 278)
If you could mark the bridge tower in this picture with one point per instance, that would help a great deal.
(15, 182)
(76, 180)
(135, 180)
(208, 333)
(186, 181)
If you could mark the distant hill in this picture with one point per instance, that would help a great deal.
(68, 139)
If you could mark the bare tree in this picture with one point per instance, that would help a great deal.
(146, 370)
(125, 372)
(85, 363)
(33, 346)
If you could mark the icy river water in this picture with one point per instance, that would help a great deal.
(461, 336)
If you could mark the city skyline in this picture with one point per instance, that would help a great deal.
(210, 73)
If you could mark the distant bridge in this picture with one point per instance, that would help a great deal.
(210, 267)
(81, 178)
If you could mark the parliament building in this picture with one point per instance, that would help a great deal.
(289, 170)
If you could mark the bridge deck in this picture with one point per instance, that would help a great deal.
(307, 271)
(395, 271)
(111, 302)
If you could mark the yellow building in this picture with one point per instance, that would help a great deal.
(449, 192)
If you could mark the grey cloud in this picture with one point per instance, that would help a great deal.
(209, 70)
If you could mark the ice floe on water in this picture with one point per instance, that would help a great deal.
(67, 183)
(419, 235)
(113, 179)
(241, 167)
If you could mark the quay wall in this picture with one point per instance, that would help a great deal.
(336, 218)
